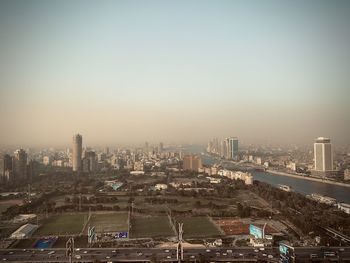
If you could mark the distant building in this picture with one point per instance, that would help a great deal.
(223, 149)
(46, 160)
(192, 163)
(92, 162)
(5, 168)
(347, 174)
(323, 156)
(77, 152)
(19, 164)
(160, 187)
(85, 165)
(344, 207)
(232, 150)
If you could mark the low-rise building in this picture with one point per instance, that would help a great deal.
(160, 187)
(24, 231)
(344, 207)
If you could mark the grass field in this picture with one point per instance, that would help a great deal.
(109, 222)
(198, 227)
(62, 225)
(156, 226)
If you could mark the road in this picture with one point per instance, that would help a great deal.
(237, 254)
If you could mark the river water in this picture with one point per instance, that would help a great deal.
(341, 193)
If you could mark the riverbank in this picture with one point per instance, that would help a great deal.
(308, 178)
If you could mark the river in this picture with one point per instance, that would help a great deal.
(341, 193)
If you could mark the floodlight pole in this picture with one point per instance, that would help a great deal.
(180, 250)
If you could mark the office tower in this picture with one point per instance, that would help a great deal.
(77, 152)
(232, 150)
(92, 164)
(85, 165)
(32, 169)
(19, 164)
(192, 163)
(223, 149)
(5, 167)
(323, 156)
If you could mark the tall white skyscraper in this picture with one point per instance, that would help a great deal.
(323, 155)
(232, 149)
(77, 152)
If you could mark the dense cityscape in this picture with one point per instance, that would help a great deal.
(142, 197)
(174, 131)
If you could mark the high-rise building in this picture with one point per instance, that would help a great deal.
(192, 163)
(92, 164)
(323, 156)
(77, 152)
(19, 164)
(232, 150)
(5, 167)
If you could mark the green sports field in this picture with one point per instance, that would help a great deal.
(155, 226)
(198, 227)
(67, 224)
(109, 222)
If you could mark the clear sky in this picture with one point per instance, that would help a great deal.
(174, 71)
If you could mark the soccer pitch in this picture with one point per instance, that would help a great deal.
(198, 227)
(155, 226)
(109, 222)
(66, 224)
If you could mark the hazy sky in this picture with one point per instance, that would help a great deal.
(174, 71)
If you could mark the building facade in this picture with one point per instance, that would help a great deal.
(192, 163)
(77, 152)
(19, 164)
(323, 155)
(232, 150)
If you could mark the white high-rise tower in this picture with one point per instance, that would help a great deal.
(323, 155)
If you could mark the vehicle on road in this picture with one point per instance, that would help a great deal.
(77, 256)
(51, 252)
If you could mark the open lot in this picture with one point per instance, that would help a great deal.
(109, 222)
(67, 224)
(155, 226)
(198, 227)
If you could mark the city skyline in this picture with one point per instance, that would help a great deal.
(125, 72)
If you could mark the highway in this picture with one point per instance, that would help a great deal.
(237, 254)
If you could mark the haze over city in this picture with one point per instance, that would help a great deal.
(174, 71)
